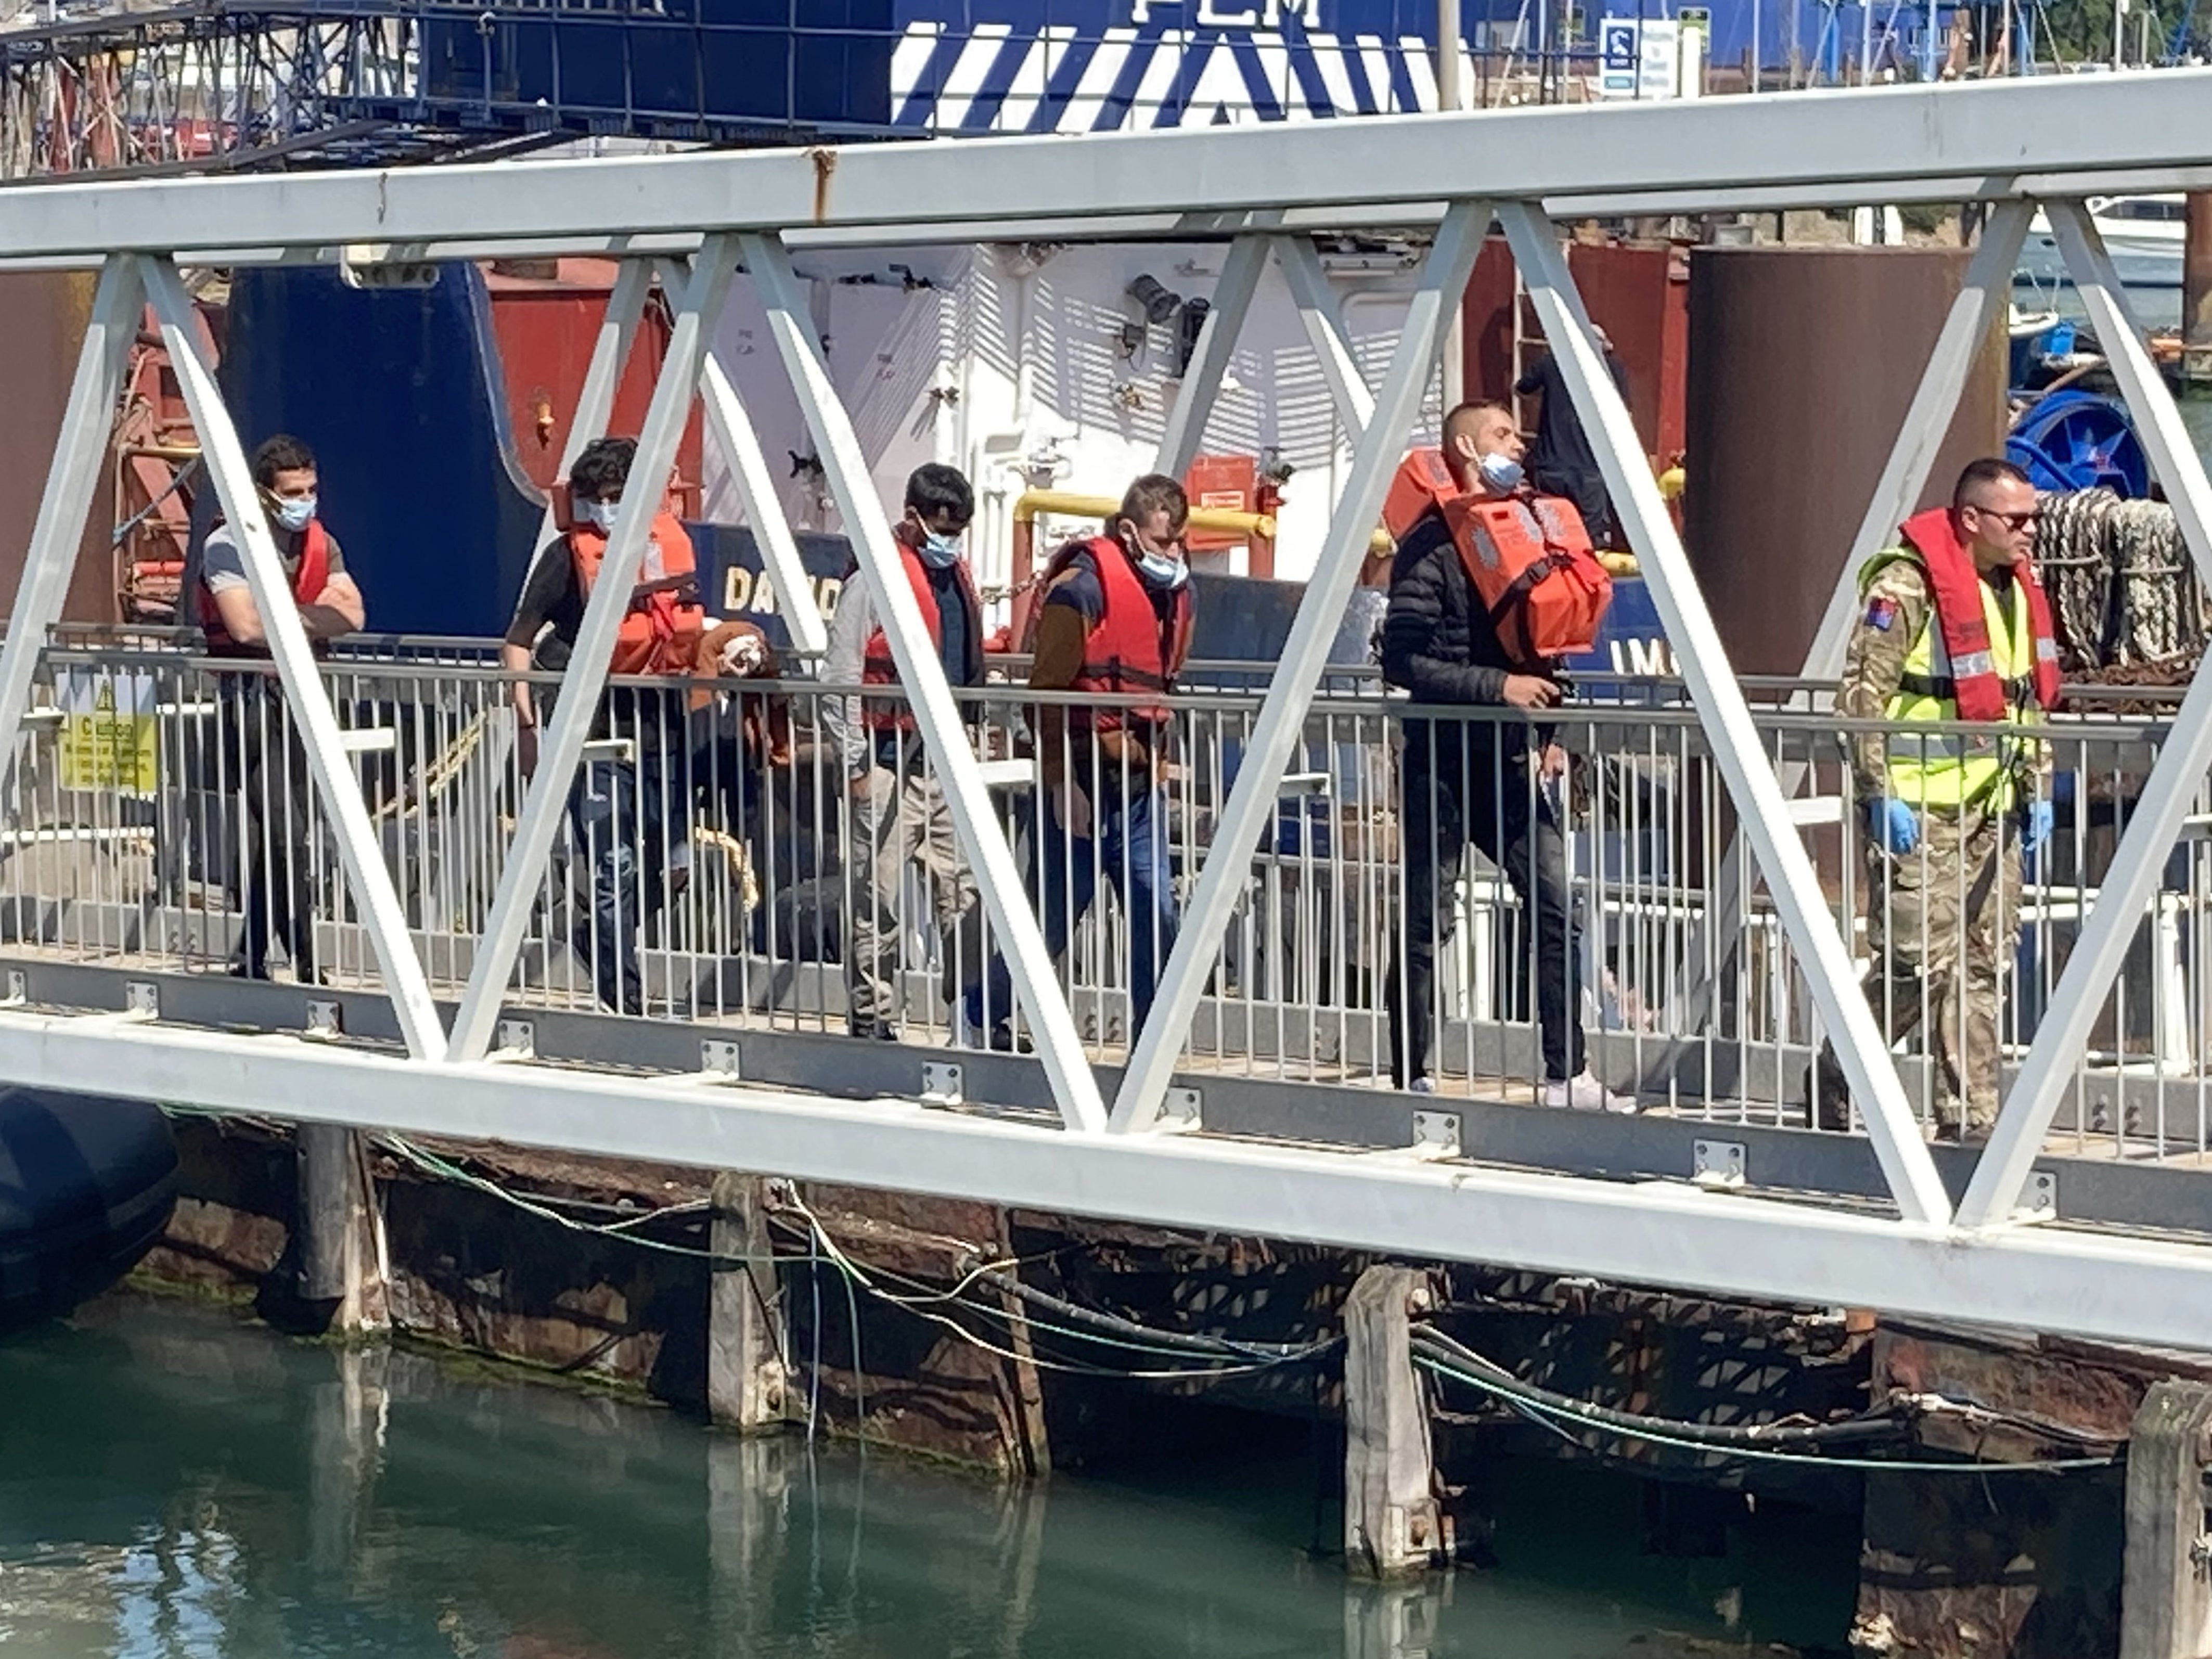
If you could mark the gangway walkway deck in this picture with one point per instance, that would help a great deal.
(445, 1023)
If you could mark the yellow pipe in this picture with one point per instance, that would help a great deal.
(1035, 502)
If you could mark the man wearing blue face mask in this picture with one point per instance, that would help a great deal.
(264, 764)
(1472, 780)
(898, 816)
(1116, 623)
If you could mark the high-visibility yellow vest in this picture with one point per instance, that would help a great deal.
(1956, 768)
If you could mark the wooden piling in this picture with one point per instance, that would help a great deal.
(340, 1256)
(1391, 1522)
(745, 1375)
(2196, 294)
(2166, 1596)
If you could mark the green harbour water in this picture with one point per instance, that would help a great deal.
(180, 1484)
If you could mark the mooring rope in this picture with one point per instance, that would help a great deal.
(2124, 590)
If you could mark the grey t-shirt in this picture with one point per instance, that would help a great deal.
(223, 565)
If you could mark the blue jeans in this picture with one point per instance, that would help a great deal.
(618, 813)
(1131, 851)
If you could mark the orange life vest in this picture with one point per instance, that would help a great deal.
(1129, 649)
(1528, 557)
(1956, 588)
(878, 667)
(308, 580)
(661, 629)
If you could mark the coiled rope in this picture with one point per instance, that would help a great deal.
(2124, 591)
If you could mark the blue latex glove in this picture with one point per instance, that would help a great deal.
(1893, 824)
(2036, 825)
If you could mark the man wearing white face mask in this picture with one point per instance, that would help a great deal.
(1116, 623)
(899, 817)
(262, 758)
(1463, 780)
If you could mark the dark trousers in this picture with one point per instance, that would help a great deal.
(1451, 792)
(619, 810)
(1130, 852)
(268, 769)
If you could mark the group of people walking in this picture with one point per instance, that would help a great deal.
(1955, 636)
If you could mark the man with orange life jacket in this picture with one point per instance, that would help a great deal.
(1955, 629)
(261, 750)
(1445, 640)
(898, 814)
(630, 806)
(1116, 621)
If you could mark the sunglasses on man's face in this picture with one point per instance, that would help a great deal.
(2016, 522)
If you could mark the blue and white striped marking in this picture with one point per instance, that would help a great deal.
(1165, 64)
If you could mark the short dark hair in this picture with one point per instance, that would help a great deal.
(1990, 469)
(602, 469)
(1156, 492)
(936, 490)
(1460, 414)
(280, 452)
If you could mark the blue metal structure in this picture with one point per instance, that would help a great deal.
(421, 478)
(2075, 440)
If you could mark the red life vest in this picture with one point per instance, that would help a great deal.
(661, 629)
(877, 666)
(1956, 588)
(309, 578)
(1129, 649)
(1528, 557)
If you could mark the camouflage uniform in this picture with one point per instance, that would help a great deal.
(1940, 920)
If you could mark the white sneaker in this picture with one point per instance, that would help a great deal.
(1586, 1094)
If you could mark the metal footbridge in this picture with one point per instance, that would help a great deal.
(1250, 1102)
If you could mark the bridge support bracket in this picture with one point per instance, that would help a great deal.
(1392, 1523)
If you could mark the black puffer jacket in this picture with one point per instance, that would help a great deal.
(1438, 641)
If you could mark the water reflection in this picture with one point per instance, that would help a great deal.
(178, 1485)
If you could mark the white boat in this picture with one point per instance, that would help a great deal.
(2143, 234)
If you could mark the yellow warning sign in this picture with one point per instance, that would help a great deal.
(108, 737)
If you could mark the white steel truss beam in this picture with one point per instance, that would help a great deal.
(330, 767)
(2175, 782)
(1225, 877)
(88, 423)
(1979, 307)
(595, 402)
(733, 430)
(574, 716)
(1737, 752)
(1210, 359)
(2044, 1279)
(937, 715)
(1678, 157)
(1323, 318)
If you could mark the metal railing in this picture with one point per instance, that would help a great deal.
(777, 856)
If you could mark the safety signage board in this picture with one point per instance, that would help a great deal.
(1639, 58)
(108, 736)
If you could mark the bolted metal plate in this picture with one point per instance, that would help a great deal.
(940, 1084)
(1436, 1134)
(2038, 1197)
(143, 998)
(1180, 1110)
(324, 1018)
(1717, 1162)
(515, 1039)
(718, 1058)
